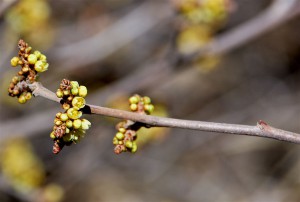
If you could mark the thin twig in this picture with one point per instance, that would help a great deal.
(262, 129)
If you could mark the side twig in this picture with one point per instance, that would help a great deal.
(262, 129)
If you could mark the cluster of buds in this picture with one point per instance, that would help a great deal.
(206, 12)
(125, 139)
(31, 64)
(69, 127)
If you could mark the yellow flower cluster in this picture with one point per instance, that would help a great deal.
(125, 138)
(30, 19)
(31, 64)
(69, 127)
(201, 19)
(21, 166)
(208, 12)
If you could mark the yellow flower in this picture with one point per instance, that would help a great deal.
(78, 102)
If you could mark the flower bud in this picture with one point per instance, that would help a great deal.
(66, 92)
(134, 147)
(41, 66)
(75, 91)
(32, 59)
(15, 80)
(146, 100)
(74, 114)
(66, 106)
(22, 99)
(120, 136)
(58, 122)
(28, 96)
(78, 102)
(43, 58)
(52, 136)
(134, 99)
(37, 54)
(85, 124)
(115, 141)
(82, 91)
(122, 130)
(129, 144)
(74, 84)
(133, 107)
(149, 108)
(14, 61)
(64, 117)
(69, 124)
(57, 115)
(59, 93)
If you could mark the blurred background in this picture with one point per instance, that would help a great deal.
(231, 61)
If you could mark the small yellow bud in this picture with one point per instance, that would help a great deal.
(28, 49)
(78, 102)
(74, 84)
(66, 92)
(28, 96)
(69, 124)
(133, 107)
(77, 123)
(85, 124)
(64, 117)
(149, 108)
(14, 61)
(146, 100)
(120, 136)
(66, 106)
(15, 80)
(57, 115)
(67, 130)
(22, 99)
(41, 66)
(129, 144)
(37, 54)
(43, 58)
(74, 114)
(82, 91)
(59, 93)
(115, 141)
(58, 122)
(122, 130)
(134, 147)
(74, 91)
(32, 59)
(134, 99)
(52, 136)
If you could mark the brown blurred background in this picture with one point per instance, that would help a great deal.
(117, 48)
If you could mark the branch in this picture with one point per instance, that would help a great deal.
(262, 129)
(279, 12)
(4, 6)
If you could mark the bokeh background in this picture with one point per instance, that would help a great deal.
(120, 47)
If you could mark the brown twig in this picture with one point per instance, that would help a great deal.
(262, 129)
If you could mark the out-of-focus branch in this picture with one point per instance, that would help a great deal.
(279, 12)
(262, 129)
(122, 32)
(5, 5)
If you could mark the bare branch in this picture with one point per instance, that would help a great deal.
(262, 129)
